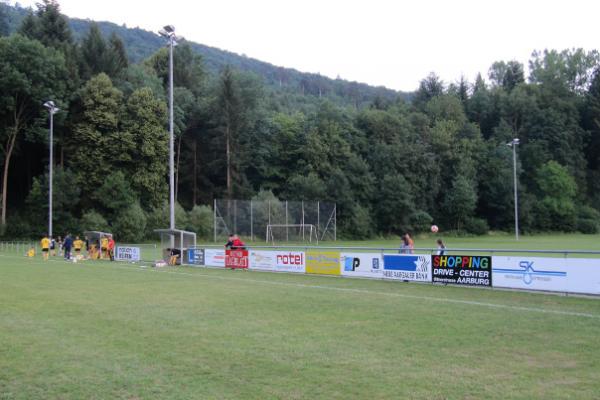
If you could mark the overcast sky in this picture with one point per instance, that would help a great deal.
(391, 43)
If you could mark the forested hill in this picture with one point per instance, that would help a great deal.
(141, 44)
(389, 166)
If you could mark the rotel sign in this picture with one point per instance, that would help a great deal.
(290, 259)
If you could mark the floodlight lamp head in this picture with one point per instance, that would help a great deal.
(163, 33)
(51, 107)
(169, 28)
(516, 141)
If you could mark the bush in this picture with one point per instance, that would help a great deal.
(588, 220)
(18, 227)
(421, 221)
(158, 218)
(130, 224)
(359, 224)
(477, 226)
(200, 220)
(94, 221)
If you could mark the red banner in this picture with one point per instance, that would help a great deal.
(236, 259)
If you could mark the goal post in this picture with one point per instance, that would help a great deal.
(291, 233)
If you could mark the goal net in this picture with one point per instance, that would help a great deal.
(291, 233)
(175, 244)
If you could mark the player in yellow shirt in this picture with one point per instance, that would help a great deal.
(77, 246)
(45, 244)
(104, 247)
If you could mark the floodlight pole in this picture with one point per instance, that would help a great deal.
(168, 32)
(514, 144)
(52, 109)
(171, 138)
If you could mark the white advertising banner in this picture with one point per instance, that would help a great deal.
(368, 265)
(283, 261)
(407, 267)
(571, 275)
(127, 253)
(214, 258)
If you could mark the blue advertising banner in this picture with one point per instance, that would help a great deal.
(196, 256)
(407, 267)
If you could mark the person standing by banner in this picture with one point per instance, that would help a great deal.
(238, 244)
(410, 244)
(441, 247)
(111, 248)
(229, 242)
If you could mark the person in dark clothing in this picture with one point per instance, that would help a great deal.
(67, 245)
(229, 243)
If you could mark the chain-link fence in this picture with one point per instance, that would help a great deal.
(289, 220)
(17, 247)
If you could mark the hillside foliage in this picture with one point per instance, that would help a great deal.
(392, 162)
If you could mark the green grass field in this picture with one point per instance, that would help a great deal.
(100, 330)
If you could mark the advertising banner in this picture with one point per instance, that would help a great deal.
(196, 256)
(283, 261)
(323, 262)
(214, 257)
(236, 259)
(407, 267)
(127, 253)
(462, 270)
(573, 275)
(368, 265)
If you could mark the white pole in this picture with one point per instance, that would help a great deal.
(515, 184)
(171, 140)
(50, 173)
(215, 218)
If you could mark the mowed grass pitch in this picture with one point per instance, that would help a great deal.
(99, 330)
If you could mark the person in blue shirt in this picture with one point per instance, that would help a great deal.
(67, 245)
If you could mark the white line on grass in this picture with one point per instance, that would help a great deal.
(352, 290)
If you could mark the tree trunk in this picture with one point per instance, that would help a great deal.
(10, 145)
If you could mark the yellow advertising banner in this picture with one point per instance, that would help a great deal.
(323, 262)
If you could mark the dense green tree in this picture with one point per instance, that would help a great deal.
(394, 205)
(429, 88)
(48, 25)
(460, 202)
(93, 53)
(29, 75)
(130, 223)
(115, 194)
(591, 122)
(200, 220)
(567, 70)
(557, 191)
(65, 207)
(146, 149)
(507, 74)
(96, 135)
(4, 26)
(117, 60)
(94, 221)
